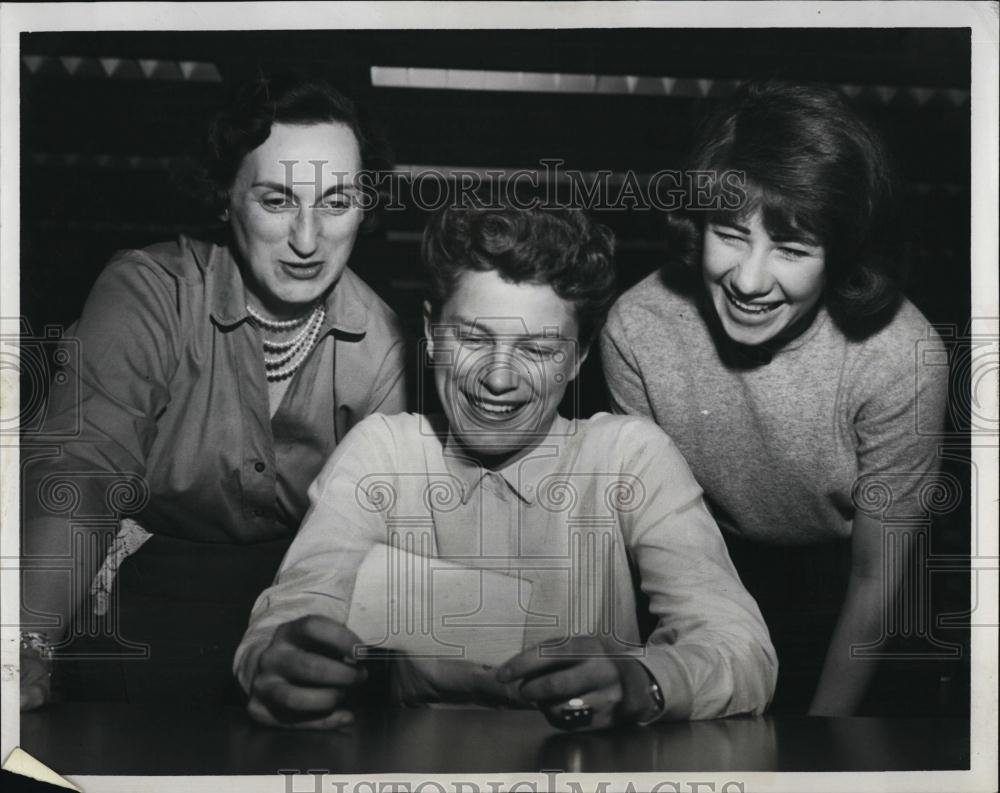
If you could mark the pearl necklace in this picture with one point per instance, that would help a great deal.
(283, 358)
(277, 324)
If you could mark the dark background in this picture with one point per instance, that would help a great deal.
(110, 120)
(100, 151)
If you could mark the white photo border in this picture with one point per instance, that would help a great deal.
(980, 17)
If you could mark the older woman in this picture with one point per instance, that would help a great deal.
(214, 381)
(784, 369)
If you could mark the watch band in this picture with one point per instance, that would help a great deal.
(658, 703)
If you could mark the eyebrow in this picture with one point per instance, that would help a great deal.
(476, 325)
(730, 224)
(800, 237)
(285, 190)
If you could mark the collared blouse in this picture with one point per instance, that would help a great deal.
(165, 388)
(593, 501)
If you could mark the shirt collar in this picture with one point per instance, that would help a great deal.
(544, 459)
(346, 306)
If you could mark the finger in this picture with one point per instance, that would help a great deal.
(562, 684)
(603, 704)
(322, 635)
(531, 662)
(34, 677)
(33, 669)
(36, 683)
(33, 695)
(307, 668)
(552, 655)
(289, 702)
(260, 713)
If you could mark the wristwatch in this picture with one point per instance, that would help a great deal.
(657, 703)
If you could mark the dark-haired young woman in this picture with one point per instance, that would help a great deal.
(215, 381)
(777, 352)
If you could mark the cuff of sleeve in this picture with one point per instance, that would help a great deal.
(672, 678)
(245, 661)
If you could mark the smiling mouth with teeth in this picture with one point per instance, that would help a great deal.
(495, 408)
(751, 308)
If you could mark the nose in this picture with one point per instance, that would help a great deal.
(501, 376)
(303, 236)
(751, 276)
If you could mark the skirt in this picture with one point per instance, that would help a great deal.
(177, 613)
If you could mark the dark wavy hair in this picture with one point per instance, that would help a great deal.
(285, 98)
(557, 247)
(814, 168)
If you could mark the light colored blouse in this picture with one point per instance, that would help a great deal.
(593, 500)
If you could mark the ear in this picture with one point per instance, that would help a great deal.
(223, 201)
(428, 329)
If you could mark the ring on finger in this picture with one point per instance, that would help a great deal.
(574, 714)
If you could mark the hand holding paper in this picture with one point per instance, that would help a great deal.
(431, 608)
(304, 674)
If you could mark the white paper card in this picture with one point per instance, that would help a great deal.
(432, 608)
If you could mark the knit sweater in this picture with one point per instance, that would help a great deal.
(785, 449)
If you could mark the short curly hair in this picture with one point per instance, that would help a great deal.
(557, 247)
(284, 98)
(811, 165)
